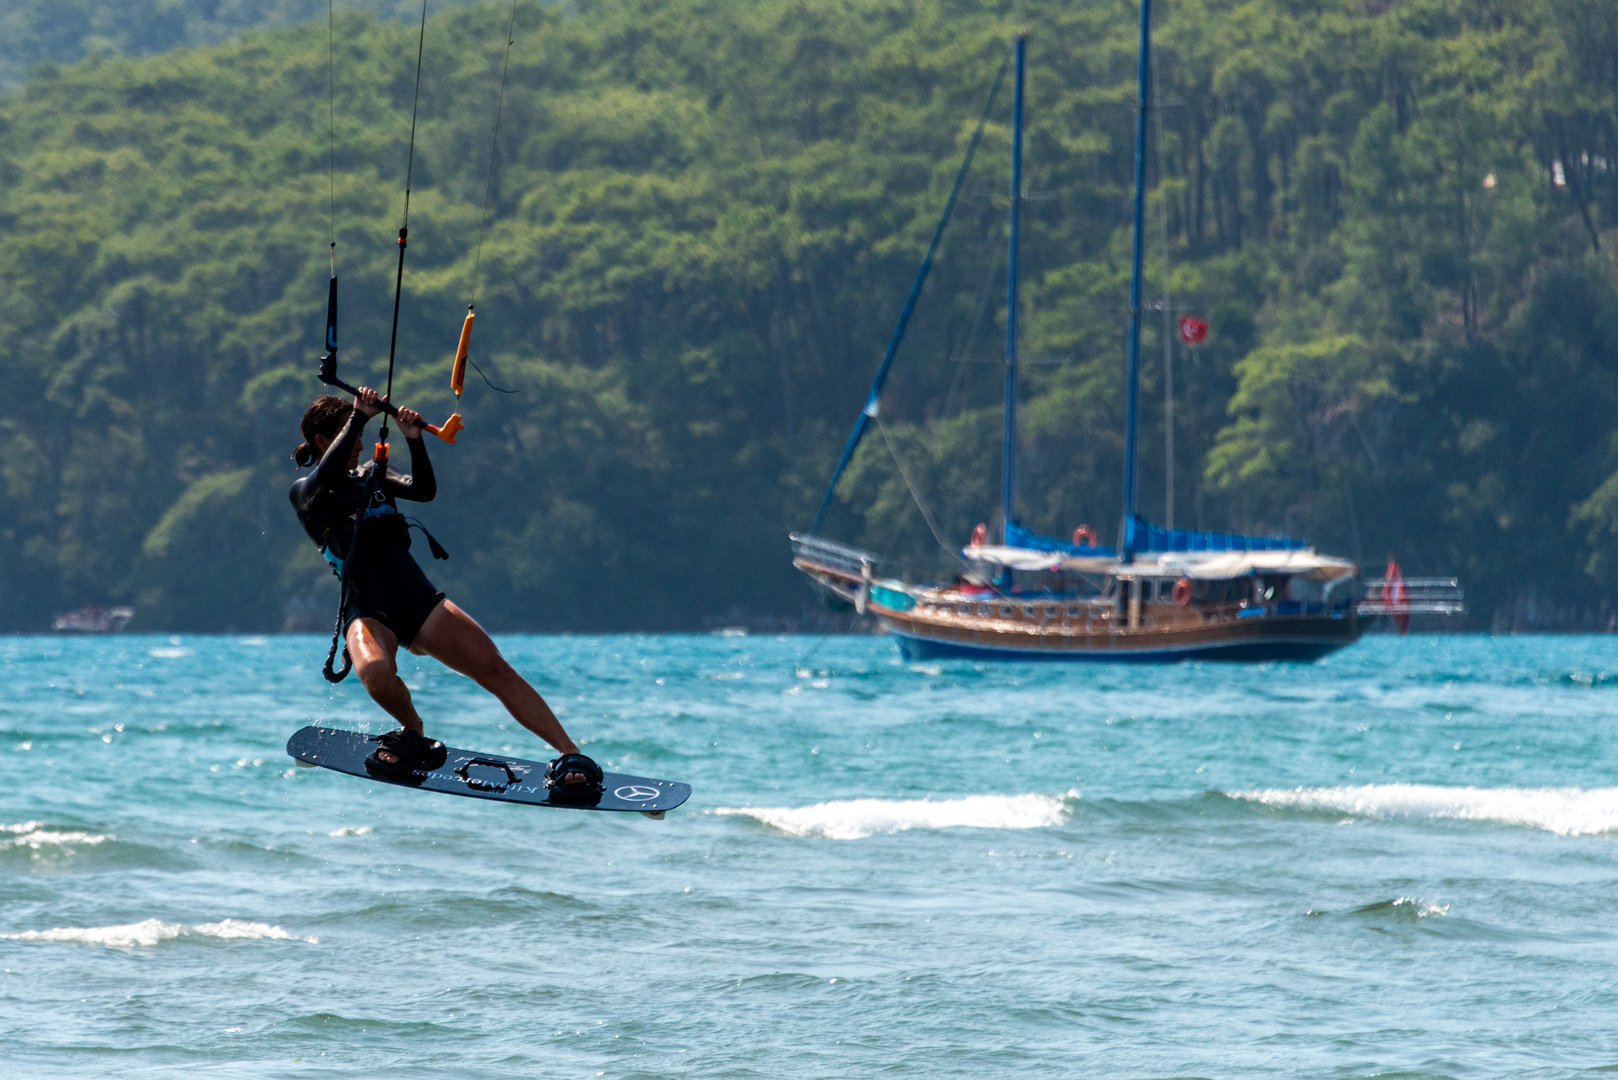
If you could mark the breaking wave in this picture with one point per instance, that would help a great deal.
(855, 819)
(151, 932)
(36, 835)
(1564, 811)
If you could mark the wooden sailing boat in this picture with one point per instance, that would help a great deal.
(1160, 594)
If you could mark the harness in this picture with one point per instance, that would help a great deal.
(342, 565)
(335, 560)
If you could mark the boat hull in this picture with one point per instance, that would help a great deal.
(1300, 638)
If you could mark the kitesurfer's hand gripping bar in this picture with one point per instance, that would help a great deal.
(328, 375)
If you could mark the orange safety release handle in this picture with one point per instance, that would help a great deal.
(448, 430)
(457, 375)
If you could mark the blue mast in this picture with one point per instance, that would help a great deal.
(1126, 545)
(1008, 459)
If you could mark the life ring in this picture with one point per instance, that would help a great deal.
(1182, 592)
(1084, 536)
(980, 534)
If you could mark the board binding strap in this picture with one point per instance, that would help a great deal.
(479, 775)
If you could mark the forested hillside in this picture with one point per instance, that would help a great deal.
(33, 32)
(1398, 219)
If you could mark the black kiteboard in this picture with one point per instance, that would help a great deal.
(486, 776)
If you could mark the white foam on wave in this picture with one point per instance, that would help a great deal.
(242, 930)
(34, 834)
(1564, 811)
(149, 932)
(855, 819)
(1422, 908)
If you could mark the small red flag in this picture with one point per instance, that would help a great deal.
(1193, 331)
(1395, 594)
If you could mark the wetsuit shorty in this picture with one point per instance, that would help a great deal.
(386, 584)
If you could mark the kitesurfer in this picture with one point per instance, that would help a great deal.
(393, 603)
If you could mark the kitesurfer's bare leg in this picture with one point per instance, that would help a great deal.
(454, 638)
(374, 650)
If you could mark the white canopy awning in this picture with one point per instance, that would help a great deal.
(1230, 564)
(1015, 558)
(1202, 565)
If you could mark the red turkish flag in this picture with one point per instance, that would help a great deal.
(1396, 595)
(1193, 331)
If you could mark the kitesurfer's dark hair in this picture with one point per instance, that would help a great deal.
(326, 416)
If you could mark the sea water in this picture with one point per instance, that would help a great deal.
(1400, 860)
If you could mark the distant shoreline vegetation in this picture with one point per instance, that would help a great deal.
(1399, 221)
(38, 35)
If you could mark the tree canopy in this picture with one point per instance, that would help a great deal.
(1398, 220)
(33, 32)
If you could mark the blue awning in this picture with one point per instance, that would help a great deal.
(1019, 537)
(1146, 537)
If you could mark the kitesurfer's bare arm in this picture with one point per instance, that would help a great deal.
(420, 485)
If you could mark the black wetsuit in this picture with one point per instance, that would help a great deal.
(385, 584)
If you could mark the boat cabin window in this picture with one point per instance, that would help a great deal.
(1074, 613)
(1005, 611)
(1305, 589)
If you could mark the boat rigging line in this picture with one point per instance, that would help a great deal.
(1167, 305)
(914, 496)
(960, 359)
(871, 404)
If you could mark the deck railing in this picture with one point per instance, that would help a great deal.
(831, 556)
(1422, 596)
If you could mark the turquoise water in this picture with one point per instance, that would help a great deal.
(1400, 860)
